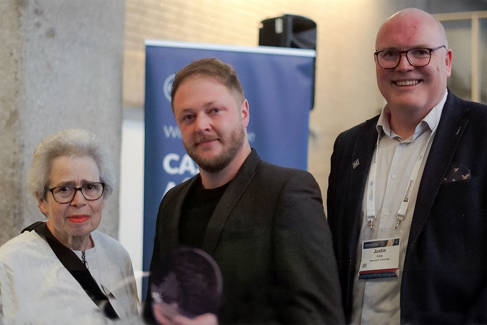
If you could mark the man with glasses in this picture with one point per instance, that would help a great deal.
(407, 196)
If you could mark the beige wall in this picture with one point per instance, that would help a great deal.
(346, 91)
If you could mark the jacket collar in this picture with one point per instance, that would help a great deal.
(230, 198)
(236, 188)
(453, 123)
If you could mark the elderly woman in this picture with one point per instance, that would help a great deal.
(64, 271)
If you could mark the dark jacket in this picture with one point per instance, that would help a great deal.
(445, 270)
(270, 238)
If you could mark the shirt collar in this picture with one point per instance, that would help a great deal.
(430, 121)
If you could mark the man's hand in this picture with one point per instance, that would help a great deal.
(205, 319)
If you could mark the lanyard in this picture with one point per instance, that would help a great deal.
(371, 189)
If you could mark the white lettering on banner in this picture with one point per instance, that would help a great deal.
(251, 136)
(173, 165)
(171, 131)
(166, 163)
(170, 185)
(188, 165)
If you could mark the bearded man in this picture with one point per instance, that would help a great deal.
(264, 225)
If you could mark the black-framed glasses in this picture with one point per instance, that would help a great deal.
(65, 193)
(417, 57)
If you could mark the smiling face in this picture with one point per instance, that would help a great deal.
(79, 217)
(413, 88)
(212, 120)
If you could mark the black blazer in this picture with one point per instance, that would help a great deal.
(445, 270)
(270, 238)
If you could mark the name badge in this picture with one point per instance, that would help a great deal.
(380, 259)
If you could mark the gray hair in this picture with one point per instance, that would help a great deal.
(69, 142)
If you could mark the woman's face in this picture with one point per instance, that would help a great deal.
(79, 217)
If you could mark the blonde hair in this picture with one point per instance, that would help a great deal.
(210, 67)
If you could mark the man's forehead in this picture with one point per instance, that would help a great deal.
(412, 30)
(203, 76)
(217, 82)
(197, 81)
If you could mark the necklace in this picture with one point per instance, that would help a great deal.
(83, 258)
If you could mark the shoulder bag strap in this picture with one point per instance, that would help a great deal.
(77, 269)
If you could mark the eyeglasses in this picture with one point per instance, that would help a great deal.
(417, 57)
(65, 193)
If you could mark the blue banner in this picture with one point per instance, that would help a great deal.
(279, 85)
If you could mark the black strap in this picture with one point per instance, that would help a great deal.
(77, 269)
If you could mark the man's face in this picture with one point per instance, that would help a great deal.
(212, 120)
(408, 87)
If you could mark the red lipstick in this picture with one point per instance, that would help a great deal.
(78, 219)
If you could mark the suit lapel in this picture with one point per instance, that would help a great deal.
(452, 124)
(172, 221)
(229, 200)
(363, 151)
(357, 156)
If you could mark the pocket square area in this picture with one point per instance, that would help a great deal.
(458, 174)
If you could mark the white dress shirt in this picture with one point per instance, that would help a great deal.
(377, 301)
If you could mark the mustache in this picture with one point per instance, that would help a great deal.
(202, 138)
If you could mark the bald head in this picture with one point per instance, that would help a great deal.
(418, 81)
(413, 19)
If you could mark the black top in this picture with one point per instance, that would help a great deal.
(196, 213)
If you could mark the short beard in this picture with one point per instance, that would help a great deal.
(216, 164)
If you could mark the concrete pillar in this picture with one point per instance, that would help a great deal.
(60, 67)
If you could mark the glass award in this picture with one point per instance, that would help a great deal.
(188, 283)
